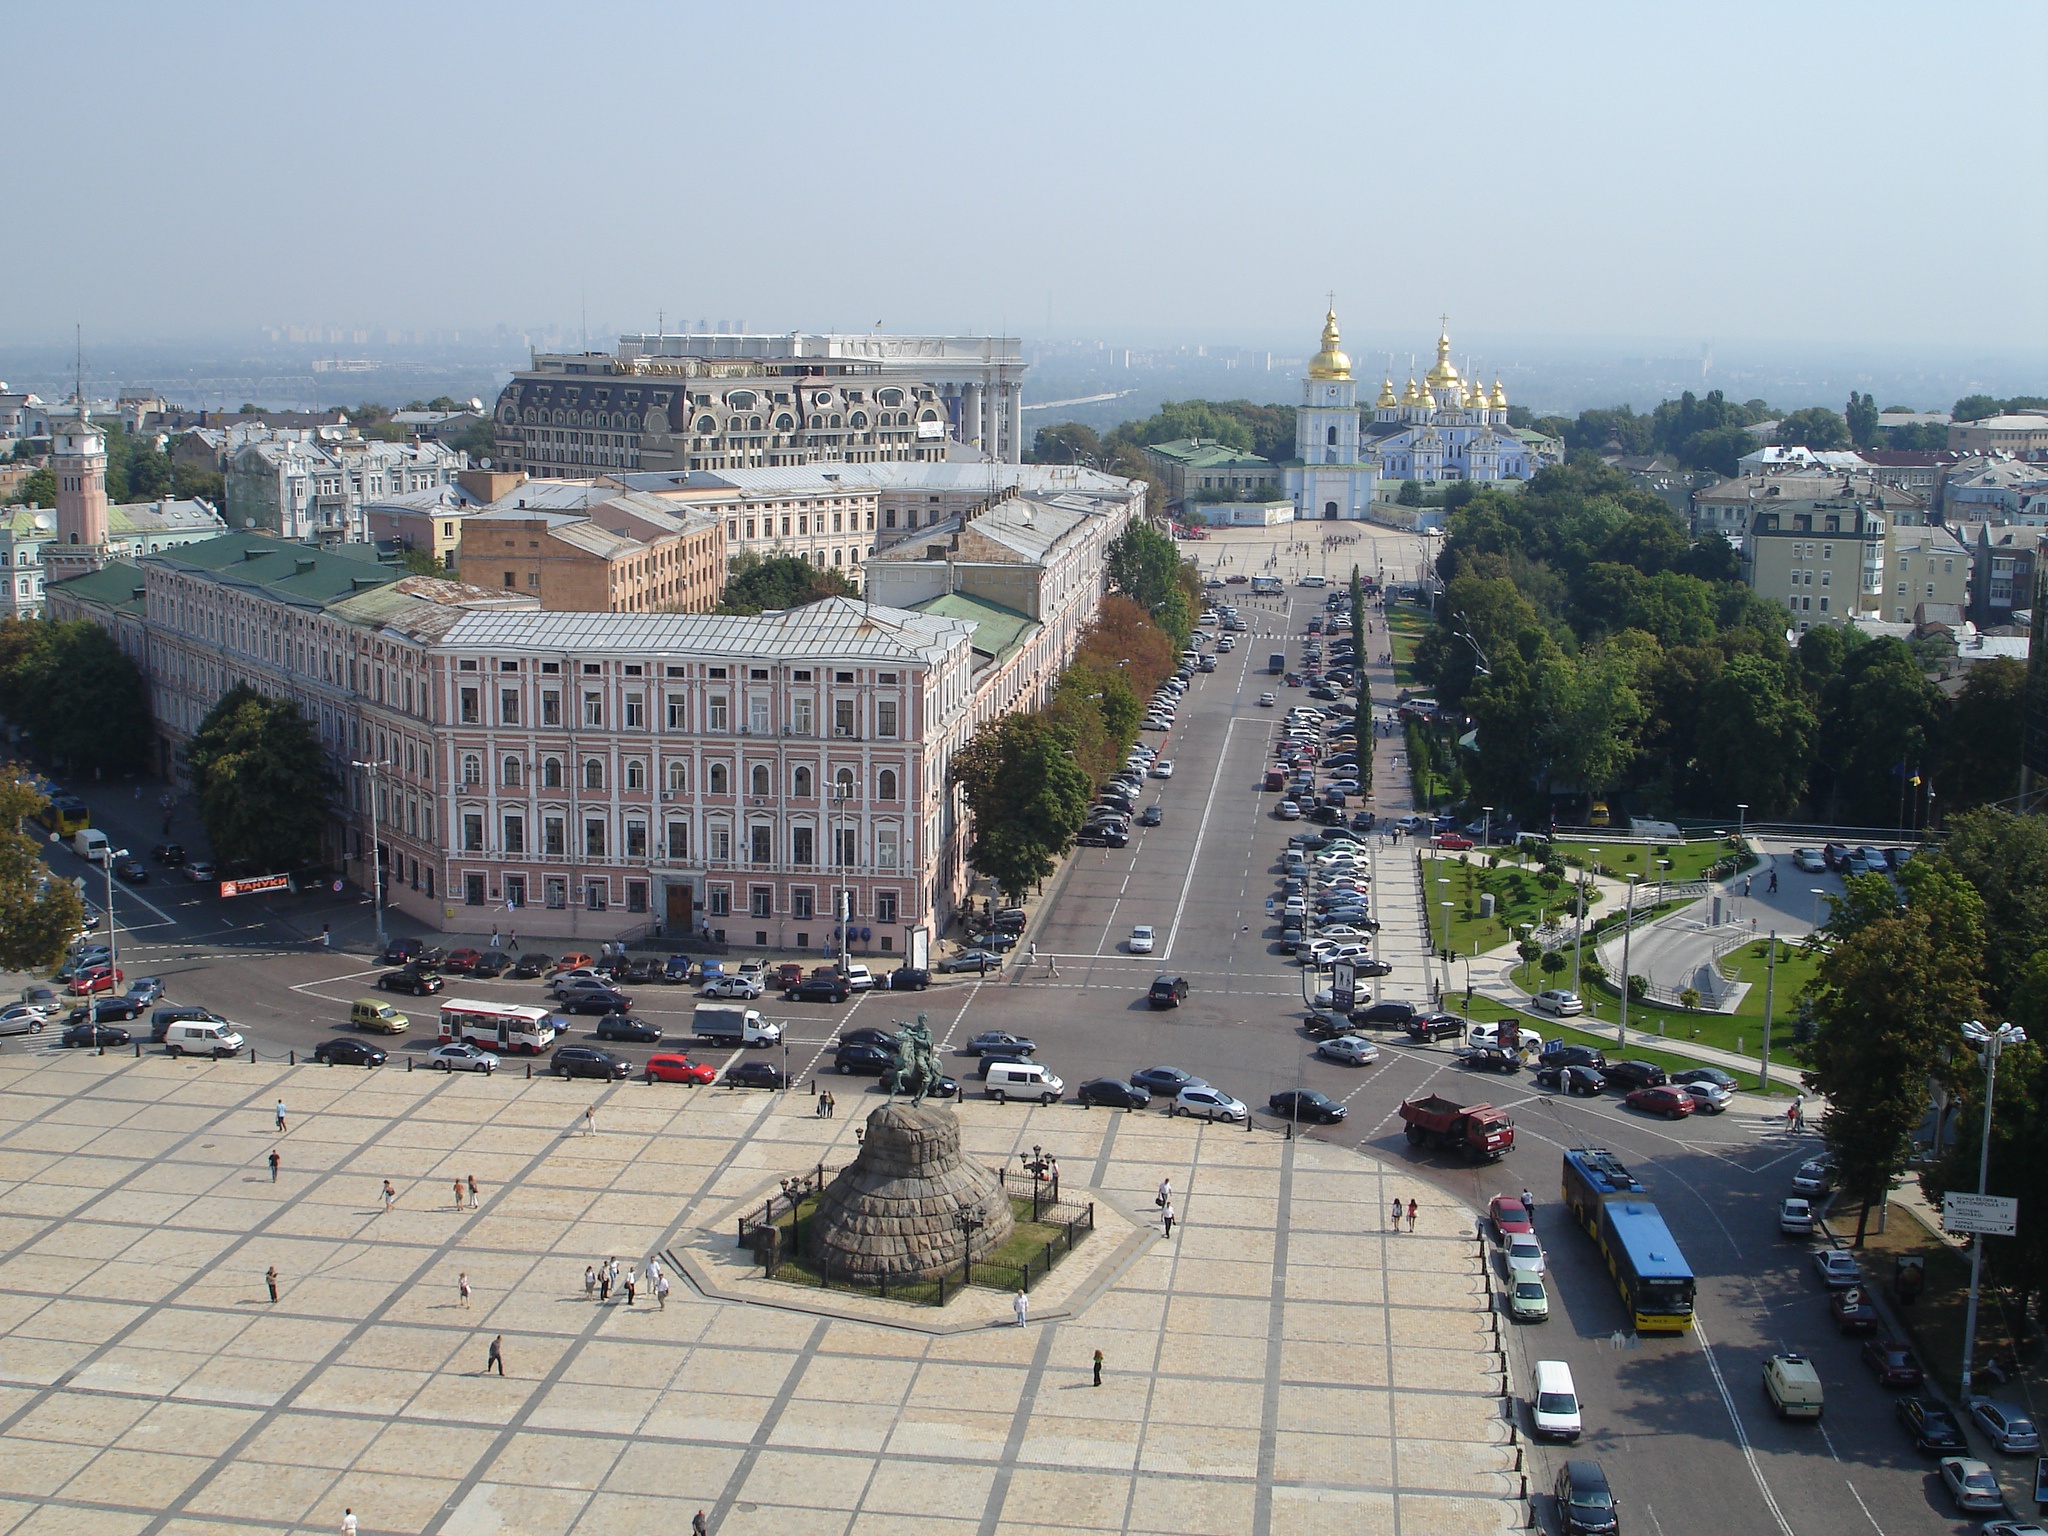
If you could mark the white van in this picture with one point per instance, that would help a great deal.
(91, 844)
(1555, 1404)
(1026, 1079)
(203, 1037)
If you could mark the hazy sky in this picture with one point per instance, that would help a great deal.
(1832, 175)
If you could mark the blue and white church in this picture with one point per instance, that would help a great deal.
(1332, 480)
(1448, 429)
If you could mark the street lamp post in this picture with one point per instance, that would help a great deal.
(1487, 840)
(1741, 817)
(1627, 932)
(1988, 1043)
(113, 937)
(1579, 928)
(839, 795)
(376, 845)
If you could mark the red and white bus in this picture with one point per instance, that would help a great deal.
(515, 1028)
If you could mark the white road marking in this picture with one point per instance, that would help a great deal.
(1865, 1508)
(1741, 1435)
(1195, 857)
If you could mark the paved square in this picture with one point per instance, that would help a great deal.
(1280, 1364)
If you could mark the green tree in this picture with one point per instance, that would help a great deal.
(262, 780)
(1027, 795)
(39, 489)
(1861, 418)
(75, 694)
(1815, 427)
(194, 482)
(1757, 737)
(2005, 860)
(38, 913)
(755, 585)
(1410, 494)
(1980, 747)
(1145, 566)
(1977, 407)
(1067, 443)
(1717, 450)
(421, 562)
(1877, 725)
(1890, 994)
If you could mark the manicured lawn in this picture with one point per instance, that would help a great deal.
(1406, 625)
(1519, 900)
(1933, 1322)
(1689, 861)
(1740, 1032)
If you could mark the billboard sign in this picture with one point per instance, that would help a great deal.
(1991, 1215)
(1343, 986)
(254, 884)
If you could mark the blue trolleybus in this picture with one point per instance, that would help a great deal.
(1656, 1283)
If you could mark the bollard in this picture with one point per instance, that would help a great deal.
(529, 1071)
(408, 1063)
(138, 1050)
(252, 1055)
(294, 1055)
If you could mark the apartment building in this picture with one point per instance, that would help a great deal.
(2020, 432)
(1926, 578)
(596, 549)
(314, 485)
(1824, 561)
(1729, 507)
(2005, 563)
(810, 511)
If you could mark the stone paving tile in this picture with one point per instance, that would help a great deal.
(137, 1220)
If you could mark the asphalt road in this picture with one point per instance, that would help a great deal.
(1679, 1422)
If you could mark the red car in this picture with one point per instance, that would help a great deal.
(1852, 1311)
(1454, 840)
(1892, 1361)
(1510, 1216)
(675, 1068)
(1675, 1103)
(571, 961)
(788, 974)
(462, 961)
(99, 979)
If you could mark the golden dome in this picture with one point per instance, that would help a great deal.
(1412, 395)
(1330, 363)
(1475, 397)
(1500, 397)
(1443, 374)
(1387, 397)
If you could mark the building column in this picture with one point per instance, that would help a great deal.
(970, 414)
(1013, 396)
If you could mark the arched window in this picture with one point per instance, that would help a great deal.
(472, 768)
(551, 773)
(753, 423)
(860, 421)
(679, 775)
(783, 423)
(761, 779)
(885, 784)
(511, 774)
(843, 783)
(706, 425)
(636, 773)
(719, 780)
(593, 773)
(800, 784)
(1332, 438)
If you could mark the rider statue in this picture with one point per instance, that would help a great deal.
(917, 1070)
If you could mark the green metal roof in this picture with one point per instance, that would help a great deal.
(1200, 453)
(117, 584)
(293, 573)
(996, 628)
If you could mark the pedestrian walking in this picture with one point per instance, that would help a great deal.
(1799, 1114)
(326, 937)
(275, 1159)
(512, 941)
(472, 1192)
(604, 1283)
(348, 1516)
(1772, 888)
(390, 1195)
(1397, 1213)
(280, 1116)
(632, 1282)
(1745, 883)
(1021, 1305)
(697, 1525)
(1792, 1114)
(462, 1286)
(1529, 1205)
(1098, 1367)
(819, 1111)
(831, 1105)
(1165, 1192)
(1166, 1216)
(661, 1291)
(270, 1279)
(495, 941)
(458, 1194)
(1411, 1215)
(589, 1282)
(496, 1356)
(589, 1120)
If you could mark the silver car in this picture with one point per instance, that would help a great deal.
(22, 1019)
(461, 1057)
(2006, 1426)
(1210, 1104)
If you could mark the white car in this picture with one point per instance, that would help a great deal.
(734, 986)
(1210, 1104)
(1163, 769)
(1522, 1251)
(1560, 1001)
(1838, 1268)
(1266, 701)
(860, 978)
(1489, 1034)
(1349, 1051)
(1287, 810)
(461, 1057)
(22, 1019)
(1140, 941)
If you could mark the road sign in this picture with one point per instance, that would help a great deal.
(1343, 986)
(255, 883)
(1991, 1215)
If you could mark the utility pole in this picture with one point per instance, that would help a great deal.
(1989, 1042)
(1763, 1076)
(376, 846)
(1628, 929)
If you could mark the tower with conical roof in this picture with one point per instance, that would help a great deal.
(78, 460)
(1332, 481)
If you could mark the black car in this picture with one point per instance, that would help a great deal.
(862, 1060)
(636, 968)
(419, 983)
(1305, 1104)
(1631, 1075)
(1712, 1075)
(596, 1002)
(170, 855)
(588, 1061)
(1387, 1015)
(909, 978)
(1585, 1502)
(409, 952)
(345, 1051)
(493, 965)
(754, 1074)
(623, 1026)
(1934, 1430)
(531, 967)
(1580, 1082)
(1560, 1054)
(1112, 1093)
(109, 1008)
(880, 1037)
(1327, 1024)
(995, 1042)
(1152, 816)
(1167, 992)
(131, 871)
(820, 989)
(1372, 967)
(1101, 835)
(1167, 1081)
(1437, 1026)
(90, 1035)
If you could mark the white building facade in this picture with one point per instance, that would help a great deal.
(1333, 481)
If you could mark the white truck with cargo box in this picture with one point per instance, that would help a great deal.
(733, 1026)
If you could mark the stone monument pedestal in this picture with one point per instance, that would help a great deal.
(894, 1214)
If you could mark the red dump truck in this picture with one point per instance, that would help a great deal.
(1477, 1130)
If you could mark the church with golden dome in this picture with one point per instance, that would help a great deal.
(1451, 428)
(1333, 479)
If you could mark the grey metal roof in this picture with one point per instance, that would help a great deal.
(837, 629)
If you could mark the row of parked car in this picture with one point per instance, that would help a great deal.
(1842, 859)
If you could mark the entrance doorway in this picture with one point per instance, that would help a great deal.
(1329, 511)
(676, 917)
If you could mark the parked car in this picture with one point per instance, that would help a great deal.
(674, 1067)
(146, 990)
(1672, 1103)
(589, 1061)
(462, 1057)
(95, 980)
(971, 960)
(493, 965)
(1210, 1104)
(418, 983)
(1934, 1430)
(1304, 1104)
(734, 986)
(530, 967)
(1971, 1484)
(1112, 1093)
(909, 979)
(830, 988)
(1851, 1312)
(1809, 861)
(170, 855)
(1436, 1026)
(1528, 1297)
(1634, 1074)
(1795, 1217)
(90, 1035)
(1349, 1051)
(1837, 1268)
(461, 962)
(996, 1042)
(1891, 1362)
(1141, 939)
(755, 1074)
(406, 951)
(1166, 1081)
(2005, 1426)
(1387, 1015)
(866, 1060)
(347, 1051)
(108, 1010)
(1561, 1002)
(595, 1002)
(1707, 1098)
(623, 1026)
(1816, 1176)
(1585, 1501)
